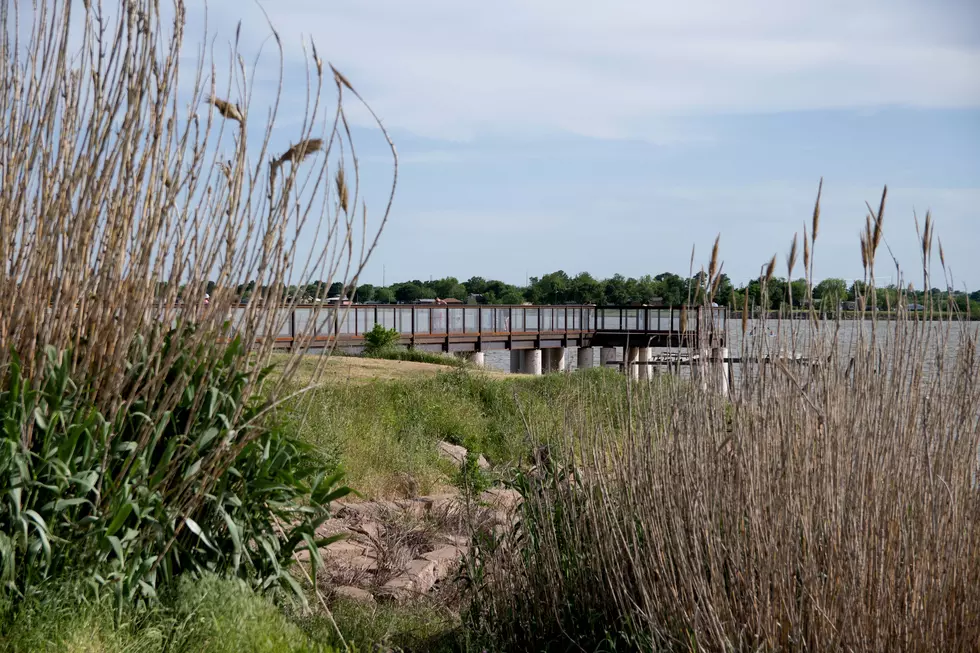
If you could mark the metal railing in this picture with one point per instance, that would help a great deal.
(352, 322)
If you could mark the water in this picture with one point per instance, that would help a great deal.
(783, 337)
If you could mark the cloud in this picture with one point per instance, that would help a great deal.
(625, 68)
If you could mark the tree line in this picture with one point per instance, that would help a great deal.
(560, 288)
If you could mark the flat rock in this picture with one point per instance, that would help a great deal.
(452, 452)
(331, 527)
(354, 594)
(344, 549)
(446, 559)
(363, 563)
(418, 578)
(370, 529)
(504, 499)
(416, 508)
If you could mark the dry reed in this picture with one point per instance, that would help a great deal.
(122, 205)
(823, 507)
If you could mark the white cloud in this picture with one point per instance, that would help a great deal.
(623, 68)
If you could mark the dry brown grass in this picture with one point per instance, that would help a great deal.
(125, 192)
(829, 507)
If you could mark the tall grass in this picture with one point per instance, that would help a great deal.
(135, 445)
(824, 507)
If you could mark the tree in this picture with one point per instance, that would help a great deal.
(799, 292)
(448, 287)
(673, 289)
(584, 289)
(830, 293)
(616, 291)
(512, 296)
(412, 291)
(475, 285)
(336, 289)
(363, 293)
(384, 296)
(551, 288)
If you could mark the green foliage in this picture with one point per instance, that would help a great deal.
(418, 356)
(206, 615)
(385, 430)
(128, 508)
(379, 339)
(419, 626)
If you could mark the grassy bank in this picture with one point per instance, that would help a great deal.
(204, 615)
(383, 433)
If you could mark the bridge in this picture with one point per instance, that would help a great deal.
(526, 331)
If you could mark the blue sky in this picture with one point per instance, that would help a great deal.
(611, 137)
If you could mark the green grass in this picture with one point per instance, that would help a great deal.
(384, 433)
(208, 615)
(422, 626)
(419, 356)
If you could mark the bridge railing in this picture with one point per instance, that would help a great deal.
(435, 320)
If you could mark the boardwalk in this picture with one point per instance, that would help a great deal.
(490, 328)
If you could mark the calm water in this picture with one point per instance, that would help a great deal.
(780, 338)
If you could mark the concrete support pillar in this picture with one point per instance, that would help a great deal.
(532, 362)
(586, 358)
(701, 370)
(477, 358)
(556, 360)
(645, 369)
(720, 369)
(606, 356)
(516, 358)
(632, 357)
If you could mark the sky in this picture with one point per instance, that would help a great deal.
(609, 137)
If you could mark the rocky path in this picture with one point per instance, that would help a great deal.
(404, 549)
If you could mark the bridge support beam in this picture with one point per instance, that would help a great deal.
(586, 358)
(633, 357)
(532, 362)
(553, 360)
(644, 369)
(719, 366)
(477, 358)
(516, 361)
(606, 356)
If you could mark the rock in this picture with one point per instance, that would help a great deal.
(458, 541)
(331, 527)
(452, 452)
(418, 578)
(502, 498)
(362, 563)
(444, 503)
(344, 549)
(354, 594)
(370, 529)
(482, 462)
(416, 508)
(446, 559)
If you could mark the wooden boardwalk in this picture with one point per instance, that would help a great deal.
(456, 328)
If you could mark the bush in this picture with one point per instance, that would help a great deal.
(215, 488)
(379, 339)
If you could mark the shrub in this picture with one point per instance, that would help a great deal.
(379, 339)
(130, 515)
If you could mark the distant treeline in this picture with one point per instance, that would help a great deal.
(667, 288)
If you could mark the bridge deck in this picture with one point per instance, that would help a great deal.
(455, 328)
